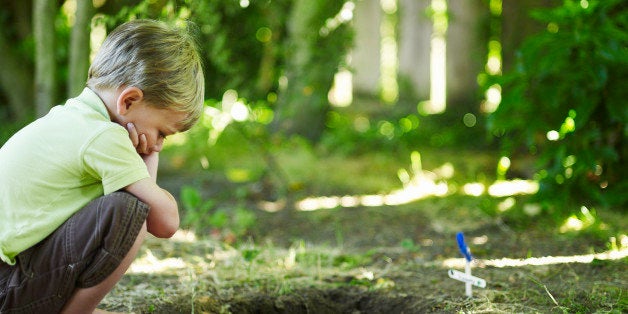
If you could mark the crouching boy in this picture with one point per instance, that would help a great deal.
(78, 187)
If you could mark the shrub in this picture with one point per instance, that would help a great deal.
(565, 101)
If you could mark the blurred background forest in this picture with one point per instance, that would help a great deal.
(321, 104)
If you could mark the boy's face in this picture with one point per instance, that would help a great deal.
(151, 124)
(148, 126)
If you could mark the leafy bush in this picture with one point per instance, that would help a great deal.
(565, 101)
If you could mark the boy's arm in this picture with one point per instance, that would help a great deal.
(163, 216)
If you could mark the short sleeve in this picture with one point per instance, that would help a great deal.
(111, 158)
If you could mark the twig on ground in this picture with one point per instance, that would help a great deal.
(544, 287)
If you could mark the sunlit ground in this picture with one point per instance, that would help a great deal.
(223, 264)
(422, 186)
(418, 184)
(285, 258)
(420, 189)
(545, 260)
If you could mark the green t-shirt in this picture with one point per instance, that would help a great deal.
(56, 165)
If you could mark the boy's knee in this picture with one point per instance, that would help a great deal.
(122, 199)
(122, 219)
(121, 211)
(122, 216)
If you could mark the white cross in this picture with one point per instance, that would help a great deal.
(466, 277)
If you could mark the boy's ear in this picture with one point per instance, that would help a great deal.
(128, 97)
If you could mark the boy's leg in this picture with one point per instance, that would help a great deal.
(83, 252)
(85, 300)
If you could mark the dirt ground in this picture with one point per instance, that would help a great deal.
(388, 259)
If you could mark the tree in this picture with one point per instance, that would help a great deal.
(16, 82)
(78, 60)
(315, 51)
(517, 25)
(45, 69)
(244, 45)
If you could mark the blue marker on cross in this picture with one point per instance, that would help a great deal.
(464, 249)
(466, 277)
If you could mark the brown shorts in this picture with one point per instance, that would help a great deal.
(81, 253)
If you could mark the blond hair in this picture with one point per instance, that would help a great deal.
(161, 60)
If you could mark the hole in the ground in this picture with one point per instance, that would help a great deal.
(341, 300)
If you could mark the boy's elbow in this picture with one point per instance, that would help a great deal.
(166, 230)
(174, 226)
(165, 234)
(164, 225)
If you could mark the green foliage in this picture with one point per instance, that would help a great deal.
(565, 101)
(243, 220)
(198, 212)
(250, 254)
(8, 129)
(241, 45)
(409, 245)
(361, 133)
(378, 127)
(218, 219)
(348, 261)
(228, 224)
(309, 69)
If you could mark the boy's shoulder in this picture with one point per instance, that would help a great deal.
(78, 119)
(69, 128)
(88, 104)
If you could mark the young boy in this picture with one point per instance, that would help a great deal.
(78, 187)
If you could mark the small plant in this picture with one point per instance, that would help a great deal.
(202, 215)
(198, 211)
(410, 246)
(348, 261)
(250, 254)
(243, 219)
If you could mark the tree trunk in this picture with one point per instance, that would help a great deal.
(16, 74)
(462, 68)
(517, 25)
(78, 60)
(313, 58)
(15, 81)
(44, 33)
(266, 73)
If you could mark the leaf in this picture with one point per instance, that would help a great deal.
(218, 219)
(190, 197)
(250, 254)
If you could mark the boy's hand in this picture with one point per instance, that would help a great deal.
(151, 158)
(139, 140)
